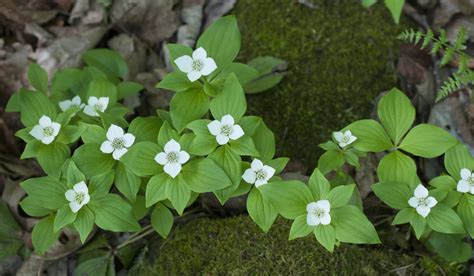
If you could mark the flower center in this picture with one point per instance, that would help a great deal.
(48, 131)
(422, 202)
(346, 139)
(172, 157)
(260, 175)
(197, 65)
(226, 130)
(118, 143)
(79, 198)
(470, 180)
(98, 107)
(318, 212)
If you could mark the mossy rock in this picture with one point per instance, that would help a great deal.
(340, 56)
(237, 246)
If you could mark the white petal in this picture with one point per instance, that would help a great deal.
(227, 120)
(325, 219)
(81, 187)
(348, 133)
(106, 147)
(465, 174)
(37, 132)
(172, 169)
(342, 144)
(214, 127)
(423, 210)
(183, 157)
(74, 206)
(104, 101)
(89, 110)
(324, 204)
(236, 133)
(260, 182)
(56, 127)
(311, 207)
(128, 139)
(312, 219)
(160, 158)
(86, 200)
(184, 63)
(209, 65)
(249, 176)
(92, 101)
(172, 146)
(256, 165)
(70, 195)
(76, 100)
(45, 121)
(472, 190)
(199, 54)
(119, 153)
(413, 202)
(269, 170)
(431, 202)
(114, 132)
(338, 136)
(65, 105)
(463, 186)
(352, 140)
(194, 75)
(47, 140)
(222, 139)
(421, 191)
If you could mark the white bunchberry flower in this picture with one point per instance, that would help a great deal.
(466, 184)
(258, 173)
(74, 102)
(344, 139)
(172, 158)
(225, 129)
(46, 130)
(196, 66)
(117, 142)
(78, 196)
(96, 105)
(421, 201)
(318, 213)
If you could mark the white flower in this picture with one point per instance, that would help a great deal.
(78, 196)
(466, 184)
(117, 142)
(96, 105)
(344, 139)
(258, 173)
(196, 66)
(225, 129)
(75, 102)
(421, 201)
(172, 158)
(318, 213)
(46, 130)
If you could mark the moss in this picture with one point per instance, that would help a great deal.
(237, 246)
(340, 58)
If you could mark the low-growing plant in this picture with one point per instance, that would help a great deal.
(103, 172)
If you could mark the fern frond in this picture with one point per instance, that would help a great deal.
(454, 83)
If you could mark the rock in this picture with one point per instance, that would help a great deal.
(191, 15)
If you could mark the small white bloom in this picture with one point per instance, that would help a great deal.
(466, 184)
(46, 131)
(344, 139)
(96, 105)
(78, 196)
(258, 173)
(117, 142)
(318, 213)
(196, 66)
(75, 102)
(225, 129)
(421, 201)
(172, 158)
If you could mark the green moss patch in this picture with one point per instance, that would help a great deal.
(340, 56)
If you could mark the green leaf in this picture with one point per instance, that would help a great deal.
(108, 61)
(70, 134)
(396, 113)
(404, 216)
(52, 157)
(166, 134)
(31, 149)
(93, 134)
(127, 89)
(113, 214)
(393, 194)
(278, 164)
(176, 81)
(465, 211)
(444, 220)
(34, 208)
(94, 266)
(352, 226)
(368, 3)
(14, 103)
(66, 79)
(33, 106)
(187, 106)
(145, 128)
(457, 158)
(74, 175)
(444, 182)
(204, 175)
(178, 193)
(202, 146)
(230, 101)
(269, 73)
(177, 50)
(102, 88)
(91, 161)
(395, 7)
(162, 220)
(326, 236)
(244, 73)
(419, 225)
(299, 228)
(141, 159)
(199, 127)
(38, 77)
(223, 29)
(64, 217)
(371, 137)
(427, 141)
(340, 195)
(330, 160)
(43, 235)
(47, 191)
(127, 182)
(244, 146)
(450, 247)
(84, 222)
(100, 184)
(261, 210)
(397, 167)
(250, 124)
(329, 145)
(264, 141)
(231, 163)
(288, 197)
(318, 184)
(156, 188)
(139, 208)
